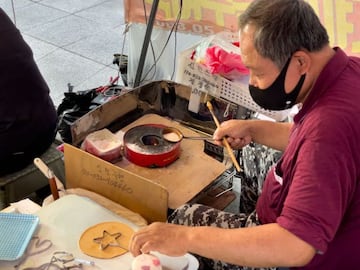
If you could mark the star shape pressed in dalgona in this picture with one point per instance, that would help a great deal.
(108, 239)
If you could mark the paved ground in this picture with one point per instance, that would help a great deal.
(73, 40)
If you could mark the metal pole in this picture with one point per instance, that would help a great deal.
(146, 42)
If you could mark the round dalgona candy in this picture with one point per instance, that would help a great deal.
(146, 262)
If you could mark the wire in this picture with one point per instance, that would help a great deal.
(13, 11)
(174, 27)
(173, 30)
(122, 51)
(175, 37)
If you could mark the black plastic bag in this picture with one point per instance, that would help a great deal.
(76, 104)
(73, 106)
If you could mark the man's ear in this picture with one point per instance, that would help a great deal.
(303, 61)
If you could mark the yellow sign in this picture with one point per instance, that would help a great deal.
(207, 17)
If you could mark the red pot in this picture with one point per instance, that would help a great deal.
(145, 146)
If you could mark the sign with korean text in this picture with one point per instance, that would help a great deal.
(207, 17)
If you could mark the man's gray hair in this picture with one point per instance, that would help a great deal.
(283, 27)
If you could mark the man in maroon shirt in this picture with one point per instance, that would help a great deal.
(27, 114)
(309, 209)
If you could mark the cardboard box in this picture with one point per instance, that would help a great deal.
(147, 191)
(132, 191)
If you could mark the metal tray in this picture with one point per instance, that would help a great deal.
(16, 231)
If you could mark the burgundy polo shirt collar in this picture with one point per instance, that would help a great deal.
(325, 80)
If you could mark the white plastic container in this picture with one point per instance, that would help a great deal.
(103, 144)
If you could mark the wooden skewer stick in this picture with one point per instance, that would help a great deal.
(48, 174)
(225, 142)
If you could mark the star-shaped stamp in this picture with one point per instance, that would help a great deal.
(108, 239)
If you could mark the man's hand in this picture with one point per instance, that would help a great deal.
(165, 238)
(236, 132)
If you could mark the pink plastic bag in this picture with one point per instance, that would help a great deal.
(226, 64)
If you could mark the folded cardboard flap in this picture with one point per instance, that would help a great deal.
(102, 116)
(83, 170)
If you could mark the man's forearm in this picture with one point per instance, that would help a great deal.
(271, 134)
(261, 246)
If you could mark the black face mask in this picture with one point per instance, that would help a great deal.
(274, 97)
